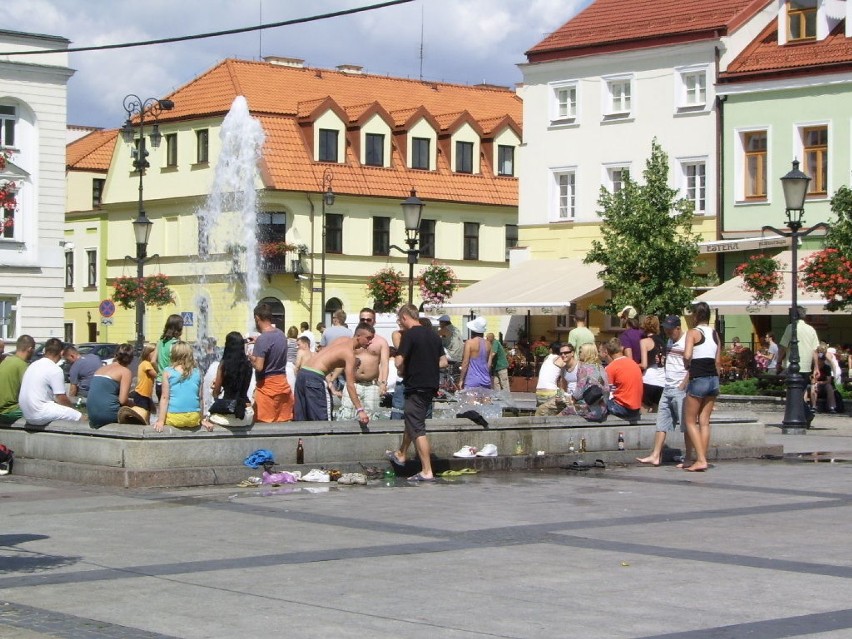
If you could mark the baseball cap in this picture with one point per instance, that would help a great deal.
(631, 312)
(478, 325)
(444, 318)
(671, 321)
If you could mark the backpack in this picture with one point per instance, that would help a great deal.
(7, 458)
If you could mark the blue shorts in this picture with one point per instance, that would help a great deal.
(670, 412)
(701, 387)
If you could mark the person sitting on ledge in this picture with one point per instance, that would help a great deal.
(12, 371)
(180, 404)
(625, 376)
(43, 398)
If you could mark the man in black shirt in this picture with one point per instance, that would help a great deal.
(418, 360)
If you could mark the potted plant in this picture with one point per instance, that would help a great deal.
(385, 288)
(437, 283)
(761, 277)
(154, 290)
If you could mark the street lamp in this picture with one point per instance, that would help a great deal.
(795, 187)
(327, 200)
(412, 209)
(152, 107)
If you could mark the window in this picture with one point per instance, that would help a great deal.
(381, 236)
(615, 176)
(69, 269)
(333, 233)
(505, 160)
(511, 238)
(815, 143)
(97, 192)
(618, 100)
(7, 223)
(801, 20)
(464, 157)
(68, 332)
(695, 185)
(327, 145)
(471, 241)
(566, 195)
(564, 103)
(692, 88)
(171, 150)
(427, 238)
(7, 125)
(271, 226)
(91, 268)
(202, 146)
(754, 144)
(374, 153)
(420, 153)
(8, 317)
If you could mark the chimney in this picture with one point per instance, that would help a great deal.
(296, 63)
(352, 69)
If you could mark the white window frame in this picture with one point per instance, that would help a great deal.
(91, 267)
(684, 184)
(740, 165)
(608, 174)
(611, 111)
(683, 104)
(8, 117)
(799, 153)
(555, 208)
(571, 114)
(9, 312)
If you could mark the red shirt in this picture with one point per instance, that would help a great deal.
(625, 375)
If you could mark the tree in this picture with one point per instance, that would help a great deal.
(648, 250)
(829, 271)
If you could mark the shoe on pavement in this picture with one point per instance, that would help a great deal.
(489, 450)
(465, 451)
(317, 476)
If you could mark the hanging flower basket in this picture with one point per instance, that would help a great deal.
(385, 288)
(275, 250)
(761, 277)
(5, 154)
(437, 283)
(154, 289)
(8, 205)
(829, 273)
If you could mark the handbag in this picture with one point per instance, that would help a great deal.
(592, 395)
(224, 406)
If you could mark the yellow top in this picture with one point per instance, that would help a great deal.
(145, 383)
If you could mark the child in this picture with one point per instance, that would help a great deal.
(180, 403)
(143, 394)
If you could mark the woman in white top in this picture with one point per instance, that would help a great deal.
(702, 357)
(549, 375)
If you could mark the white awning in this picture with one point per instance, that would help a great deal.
(538, 287)
(730, 298)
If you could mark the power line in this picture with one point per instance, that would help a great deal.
(215, 34)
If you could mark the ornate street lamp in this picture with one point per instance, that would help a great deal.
(412, 210)
(327, 201)
(795, 187)
(152, 107)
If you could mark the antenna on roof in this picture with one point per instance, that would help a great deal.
(421, 41)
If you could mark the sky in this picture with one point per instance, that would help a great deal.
(464, 41)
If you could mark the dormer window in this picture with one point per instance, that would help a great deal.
(374, 149)
(420, 153)
(464, 157)
(327, 151)
(801, 20)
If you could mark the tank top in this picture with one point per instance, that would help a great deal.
(477, 369)
(703, 362)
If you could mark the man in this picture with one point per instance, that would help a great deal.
(808, 344)
(772, 348)
(273, 396)
(453, 344)
(313, 402)
(631, 337)
(12, 371)
(371, 373)
(43, 397)
(580, 334)
(419, 361)
(670, 412)
(498, 364)
(306, 332)
(625, 377)
(337, 329)
(83, 368)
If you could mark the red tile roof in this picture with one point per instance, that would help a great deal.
(764, 57)
(619, 25)
(92, 152)
(283, 98)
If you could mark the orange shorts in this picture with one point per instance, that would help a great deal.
(273, 398)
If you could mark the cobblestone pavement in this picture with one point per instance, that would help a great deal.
(748, 549)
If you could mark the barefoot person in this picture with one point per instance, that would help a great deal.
(313, 402)
(418, 360)
(273, 396)
(670, 412)
(371, 373)
(702, 356)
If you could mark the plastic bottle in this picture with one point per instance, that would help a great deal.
(519, 447)
(571, 445)
(620, 441)
(582, 444)
(300, 452)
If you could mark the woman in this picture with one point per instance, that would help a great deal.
(180, 403)
(590, 372)
(109, 388)
(477, 350)
(702, 356)
(652, 363)
(549, 375)
(233, 378)
(292, 353)
(171, 334)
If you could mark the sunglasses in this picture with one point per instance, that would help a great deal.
(566, 352)
(369, 320)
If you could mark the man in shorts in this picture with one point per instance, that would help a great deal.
(313, 402)
(371, 373)
(273, 396)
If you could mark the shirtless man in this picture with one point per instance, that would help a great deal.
(371, 373)
(313, 402)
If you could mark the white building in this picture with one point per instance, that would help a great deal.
(33, 96)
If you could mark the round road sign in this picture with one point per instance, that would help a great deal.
(107, 308)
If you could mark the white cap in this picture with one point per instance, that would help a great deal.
(630, 311)
(478, 325)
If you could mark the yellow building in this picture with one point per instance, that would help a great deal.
(370, 139)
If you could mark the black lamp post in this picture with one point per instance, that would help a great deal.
(795, 186)
(412, 210)
(152, 107)
(327, 200)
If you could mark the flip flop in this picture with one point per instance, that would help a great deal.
(419, 477)
(393, 459)
(467, 471)
(599, 463)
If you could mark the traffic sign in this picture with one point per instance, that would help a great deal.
(106, 308)
(187, 318)
(106, 321)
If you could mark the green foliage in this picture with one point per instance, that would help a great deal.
(840, 234)
(648, 250)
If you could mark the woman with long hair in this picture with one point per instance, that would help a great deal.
(171, 334)
(653, 353)
(180, 403)
(233, 378)
(109, 388)
(590, 372)
(702, 356)
(477, 350)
